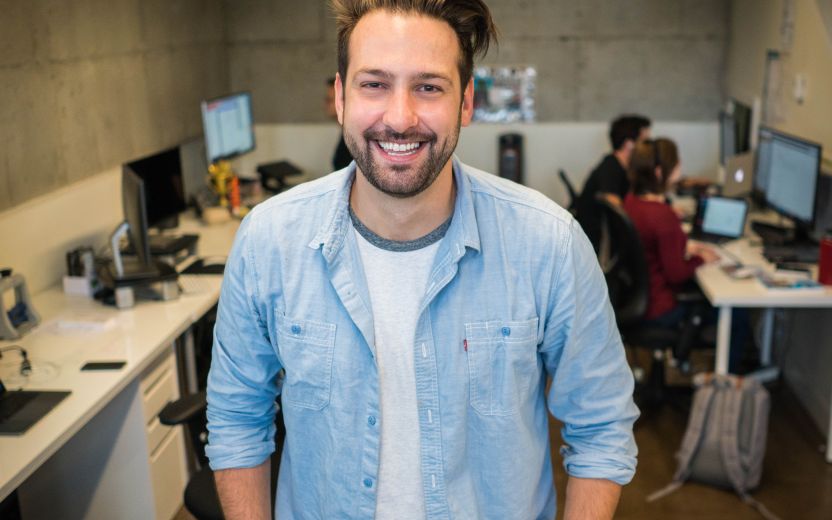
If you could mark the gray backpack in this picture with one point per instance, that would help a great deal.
(725, 441)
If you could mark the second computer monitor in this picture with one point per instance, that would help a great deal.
(787, 173)
(164, 193)
(133, 203)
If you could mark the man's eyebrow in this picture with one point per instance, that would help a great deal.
(375, 72)
(422, 76)
(426, 76)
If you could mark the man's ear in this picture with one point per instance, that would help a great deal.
(467, 103)
(339, 98)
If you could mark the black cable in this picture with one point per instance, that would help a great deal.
(25, 364)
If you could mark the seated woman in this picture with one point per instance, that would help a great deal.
(671, 259)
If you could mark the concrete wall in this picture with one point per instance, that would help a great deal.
(595, 58)
(755, 28)
(89, 84)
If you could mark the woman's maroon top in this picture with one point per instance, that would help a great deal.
(664, 248)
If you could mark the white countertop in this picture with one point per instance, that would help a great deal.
(137, 335)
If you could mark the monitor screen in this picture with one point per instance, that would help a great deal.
(742, 126)
(228, 126)
(727, 137)
(133, 205)
(161, 174)
(789, 167)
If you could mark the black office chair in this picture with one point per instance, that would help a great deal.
(570, 190)
(201, 498)
(625, 270)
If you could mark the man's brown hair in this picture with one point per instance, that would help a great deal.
(470, 20)
(647, 156)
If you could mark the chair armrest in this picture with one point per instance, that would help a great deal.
(183, 409)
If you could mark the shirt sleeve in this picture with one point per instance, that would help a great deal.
(672, 243)
(612, 181)
(592, 384)
(242, 382)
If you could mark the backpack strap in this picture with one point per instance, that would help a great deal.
(763, 510)
(702, 400)
(729, 446)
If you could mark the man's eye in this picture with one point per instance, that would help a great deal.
(373, 84)
(430, 88)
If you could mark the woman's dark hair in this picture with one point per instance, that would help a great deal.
(659, 153)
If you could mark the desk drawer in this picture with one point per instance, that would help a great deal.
(167, 473)
(167, 363)
(156, 396)
(156, 433)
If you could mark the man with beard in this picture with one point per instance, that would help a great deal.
(417, 307)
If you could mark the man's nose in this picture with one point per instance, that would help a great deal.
(400, 114)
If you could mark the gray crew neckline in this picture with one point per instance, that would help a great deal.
(400, 246)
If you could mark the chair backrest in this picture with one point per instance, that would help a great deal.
(625, 267)
(570, 189)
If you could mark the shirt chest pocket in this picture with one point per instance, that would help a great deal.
(502, 364)
(306, 349)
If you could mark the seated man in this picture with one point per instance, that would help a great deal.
(610, 176)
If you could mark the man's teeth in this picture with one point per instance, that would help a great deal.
(399, 147)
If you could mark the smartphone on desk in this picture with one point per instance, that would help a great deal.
(103, 365)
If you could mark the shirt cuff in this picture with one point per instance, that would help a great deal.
(617, 468)
(222, 456)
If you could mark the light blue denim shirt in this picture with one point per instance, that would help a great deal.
(515, 296)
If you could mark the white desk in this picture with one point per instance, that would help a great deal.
(725, 293)
(140, 336)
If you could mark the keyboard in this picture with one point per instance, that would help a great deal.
(195, 284)
(725, 258)
(803, 253)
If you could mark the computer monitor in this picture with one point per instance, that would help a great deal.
(228, 126)
(787, 172)
(164, 192)
(133, 204)
(727, 137)
(734, 130)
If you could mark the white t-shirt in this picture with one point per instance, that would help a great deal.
(397, 275)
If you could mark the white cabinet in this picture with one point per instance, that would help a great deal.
(122, 464)
(166, 446)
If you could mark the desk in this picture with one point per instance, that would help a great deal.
(141, 336)
(725, 293)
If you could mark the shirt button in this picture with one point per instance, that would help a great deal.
(506, 331)
(368, 483)
(371, 421)
(295, 329)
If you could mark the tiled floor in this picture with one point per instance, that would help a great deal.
(797, 482)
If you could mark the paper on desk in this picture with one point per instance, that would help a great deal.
(81, 321)
(788, 282)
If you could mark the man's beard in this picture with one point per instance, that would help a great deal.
(395, 182)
